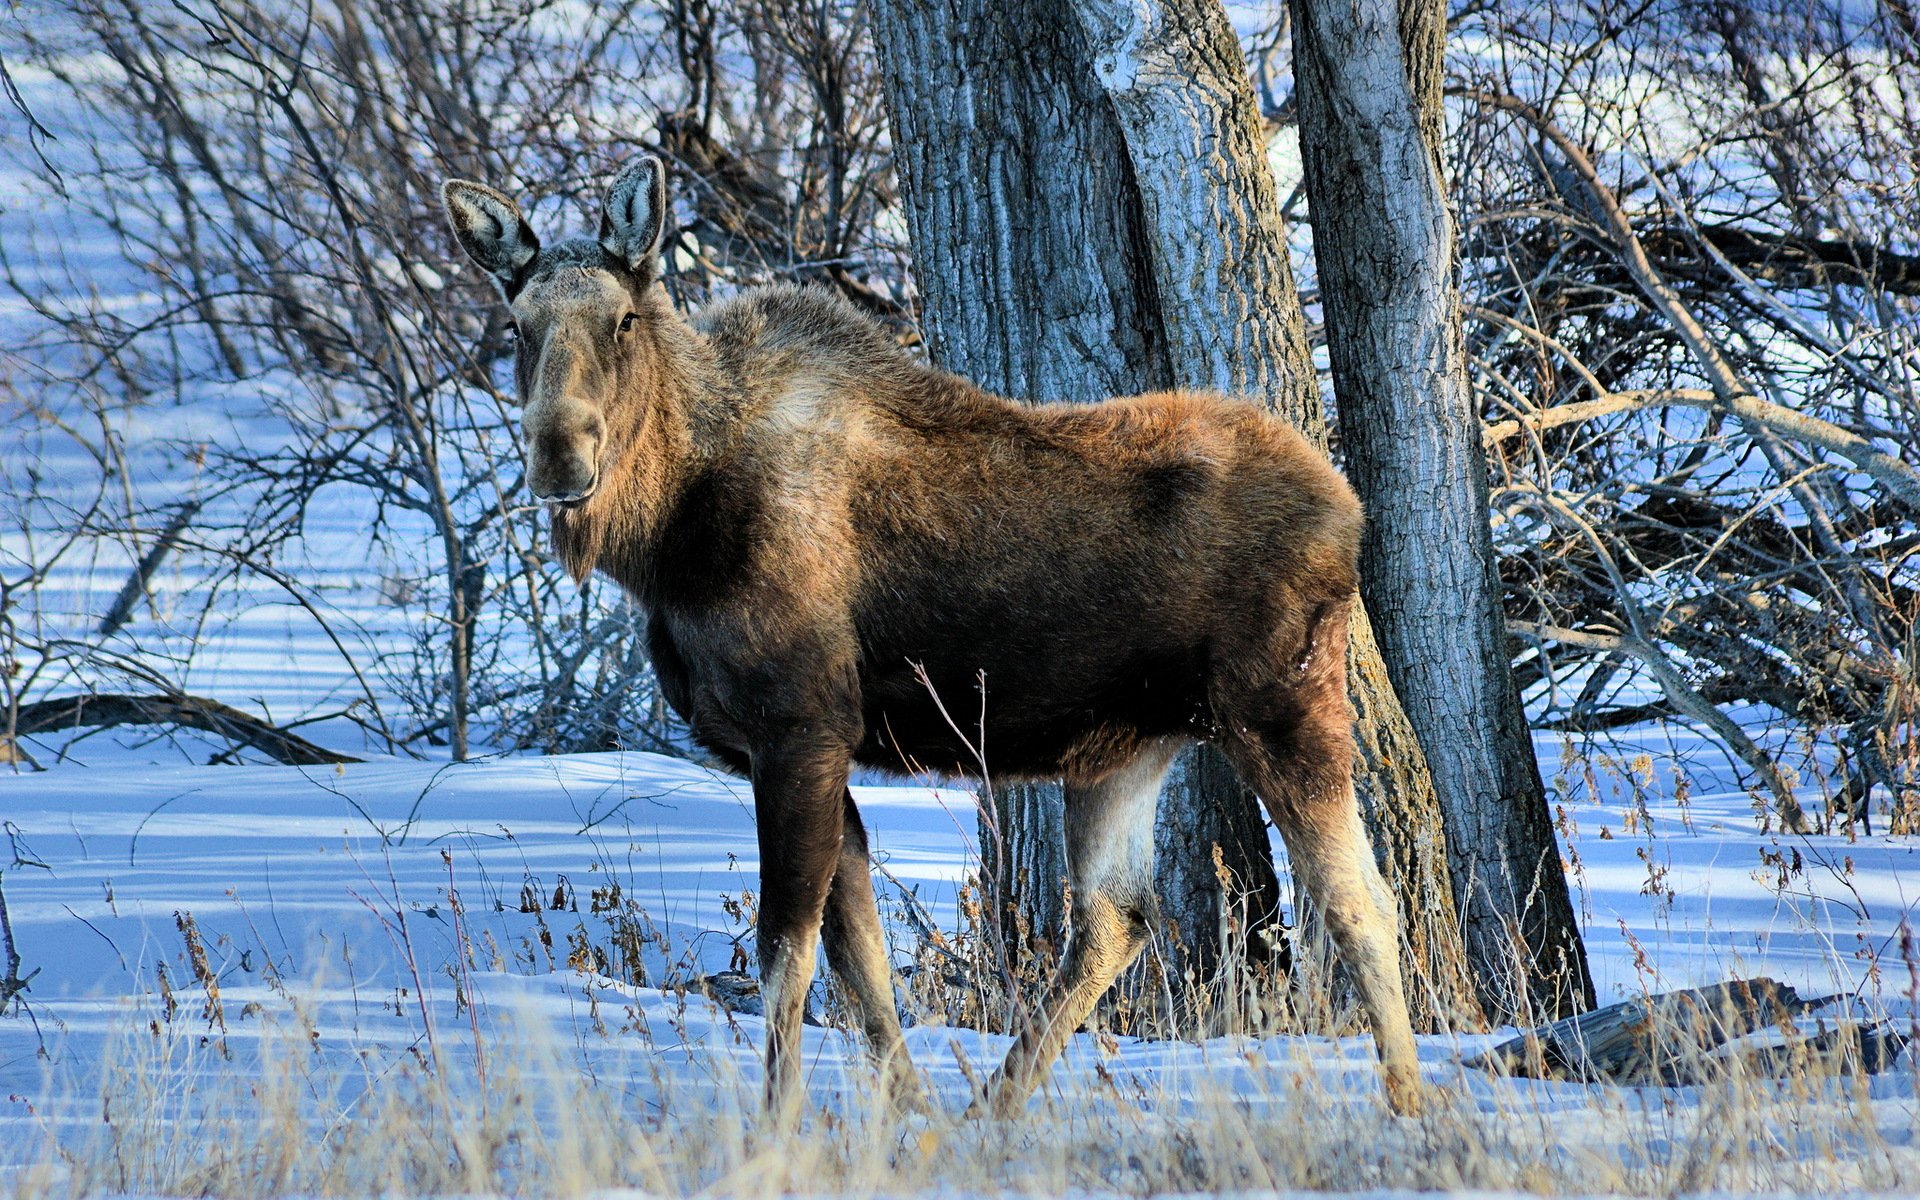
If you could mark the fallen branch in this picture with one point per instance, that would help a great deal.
(1795, 262)
(1691, 1037)
(1683, 698)
(193, 712)
(1783, 259)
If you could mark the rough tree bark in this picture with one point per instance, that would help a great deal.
(1091, 215)
(1368, 78)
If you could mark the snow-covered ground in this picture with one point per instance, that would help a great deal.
(324, 901)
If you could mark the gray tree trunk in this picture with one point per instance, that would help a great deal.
(1088, 222)
(1368, 79)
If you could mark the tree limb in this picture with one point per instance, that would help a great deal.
(142, 574)
(12, 985)
(1683, 698)
(1730, 392)
(1606, 404)
(1889, 471)
(194, 712)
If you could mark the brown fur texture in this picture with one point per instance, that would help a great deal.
(834, 542)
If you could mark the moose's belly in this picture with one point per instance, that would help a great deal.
(1029, 709)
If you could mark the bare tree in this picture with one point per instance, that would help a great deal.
(274, 182)
(1064, 318)
(1372, 131)
(1692, 329)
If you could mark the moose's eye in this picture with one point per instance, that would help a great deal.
(628, 322)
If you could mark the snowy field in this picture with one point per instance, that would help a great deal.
(234, 956)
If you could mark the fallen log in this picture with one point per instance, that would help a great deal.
(1695, 1036)
(107, 709)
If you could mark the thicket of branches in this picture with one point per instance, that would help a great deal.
(1689, 250)
(1687, 255)
(273, 179)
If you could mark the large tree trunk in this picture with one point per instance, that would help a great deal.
(1079, 232)
(1368, 78)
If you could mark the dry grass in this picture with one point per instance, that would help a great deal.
(505, 1105)
(563, 1081)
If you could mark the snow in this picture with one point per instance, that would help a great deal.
(270, 859)
(321, 895)
(323, 898)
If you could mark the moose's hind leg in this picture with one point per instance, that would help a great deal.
(1110, 864)
(1291, 740)
(857, 952)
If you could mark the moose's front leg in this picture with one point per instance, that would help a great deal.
(799, 786)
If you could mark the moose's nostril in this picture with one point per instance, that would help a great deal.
(566, 495)
(564, 440)
(568, 476)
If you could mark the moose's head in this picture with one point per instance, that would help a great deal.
(581, 309)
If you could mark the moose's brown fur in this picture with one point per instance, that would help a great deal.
(832, 539)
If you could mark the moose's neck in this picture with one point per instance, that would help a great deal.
(677, 412)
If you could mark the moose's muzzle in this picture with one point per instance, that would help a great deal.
(564, 440)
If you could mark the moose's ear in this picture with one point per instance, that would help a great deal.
(490, 228)
(636, 207)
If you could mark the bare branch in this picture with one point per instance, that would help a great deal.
(193, 712)
(1729, 390)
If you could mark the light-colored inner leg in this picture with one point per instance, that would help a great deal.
(1110, 861)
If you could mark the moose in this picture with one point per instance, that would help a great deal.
(828, 535)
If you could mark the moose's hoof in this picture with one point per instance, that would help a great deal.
(907, 1094)
(1406, 1095)
(999, 1101)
